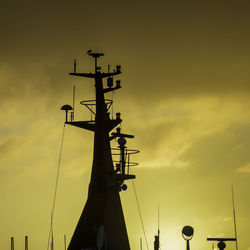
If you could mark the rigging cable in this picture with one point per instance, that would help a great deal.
(55, 192)
(143, 228)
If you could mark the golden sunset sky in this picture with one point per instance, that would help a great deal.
(185, 96)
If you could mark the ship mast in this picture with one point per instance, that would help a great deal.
(101, 224)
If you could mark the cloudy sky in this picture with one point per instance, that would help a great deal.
(185, 97)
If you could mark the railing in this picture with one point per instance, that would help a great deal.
(127, 153)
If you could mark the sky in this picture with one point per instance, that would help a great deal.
(185, 96)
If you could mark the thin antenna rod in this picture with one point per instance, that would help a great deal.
(74, 97)
(75, 66)
(12, 243)
(26, 242)
(158, 219)
(140, 244)
(65, 245)
(235, 231)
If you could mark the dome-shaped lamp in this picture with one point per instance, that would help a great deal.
(66, 108)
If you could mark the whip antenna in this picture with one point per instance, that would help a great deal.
(235, 230)
(74, 97)
(158, 218)
(75, 66)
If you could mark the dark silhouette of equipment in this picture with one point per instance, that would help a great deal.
(66, 107)
(157, 237)
(157, 241)
(187, 234)
(101, 224)
(221, 241)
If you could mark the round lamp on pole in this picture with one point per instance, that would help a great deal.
(187, 234)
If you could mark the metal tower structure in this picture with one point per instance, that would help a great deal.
(101, 224)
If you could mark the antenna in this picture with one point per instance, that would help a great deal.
(12, 243)
(158, 219)
(157, 237)
(74, 94)
(235, 231)
(73, 112)
(26, 242)
(65, 244)
(74, 66)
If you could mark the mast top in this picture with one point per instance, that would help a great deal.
(97, 72)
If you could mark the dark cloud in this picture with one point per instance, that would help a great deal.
(167, 49)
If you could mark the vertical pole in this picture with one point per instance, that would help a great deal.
(74, 93)
(26, 242)
(128, 161)
(65, 245)
(188, 246)
(235, 231)
(159, 221)
(73, 112)
(12, 243)
(140, 244)
(66, 118)
(74, 66)
(95, 64)
(123, 158)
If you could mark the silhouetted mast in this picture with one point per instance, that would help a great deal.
(101, 224)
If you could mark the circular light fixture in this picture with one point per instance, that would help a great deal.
(187, 233)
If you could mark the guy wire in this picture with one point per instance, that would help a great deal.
(137, 201)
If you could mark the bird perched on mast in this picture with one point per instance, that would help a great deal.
(89, 51)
